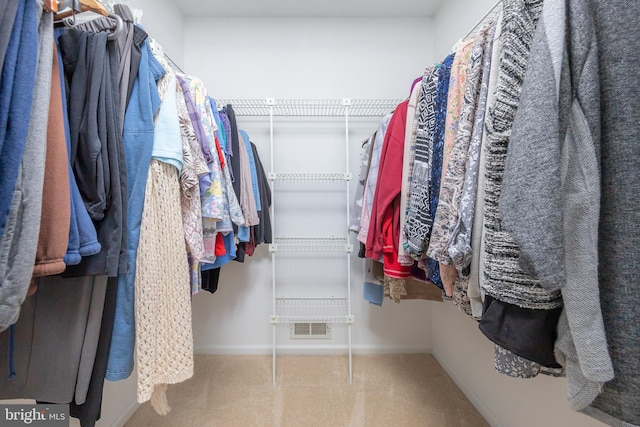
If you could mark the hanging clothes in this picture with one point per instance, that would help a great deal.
(442, 95)
(467, 295)
(263, 229)
(16, 96)
(457, 128)
(83, 239)
(38, 368)
(194, 167)
(232, 209)
(88, 412)
(212, 196)
(69, 307)
(455, 101)
(408, 156)
(358, 200)
(8, 12)
(384, 229)
(475, 236)
(453, 177)
(517, 297)
(372, 179)
(588, 149)
(103, 182)
(164, 339)
(55, 219)
(138, 137)
(418, 220)
(24, 92)
(504, 278)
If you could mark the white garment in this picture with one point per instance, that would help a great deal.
(164, 337)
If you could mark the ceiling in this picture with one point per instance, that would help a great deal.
(302, 8)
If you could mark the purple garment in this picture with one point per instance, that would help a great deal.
(195, 120)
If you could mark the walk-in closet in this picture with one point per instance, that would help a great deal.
(337, 213)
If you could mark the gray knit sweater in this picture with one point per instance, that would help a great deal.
(570, 194)
(505, 280)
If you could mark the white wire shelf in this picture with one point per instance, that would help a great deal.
(347, 176)
(311, 107)
(310, 244)
(321, 310)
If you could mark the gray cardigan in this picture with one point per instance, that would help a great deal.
(569, 194)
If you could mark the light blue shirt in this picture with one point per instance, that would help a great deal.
(167, 140)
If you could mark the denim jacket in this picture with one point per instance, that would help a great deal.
(138, 143)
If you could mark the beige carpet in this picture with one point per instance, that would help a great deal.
(388, 390)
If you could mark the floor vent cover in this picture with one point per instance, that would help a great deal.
(310, 331)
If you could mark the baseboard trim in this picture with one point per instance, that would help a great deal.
(311, 350)
(475, 400)
(126, 414)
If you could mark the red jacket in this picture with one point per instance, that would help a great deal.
(384, 229)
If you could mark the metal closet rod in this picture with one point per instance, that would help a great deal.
(173, 64)
(482, 20)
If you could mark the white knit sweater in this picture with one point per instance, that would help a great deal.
(164, 338)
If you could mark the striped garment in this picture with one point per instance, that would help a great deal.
(418, 219)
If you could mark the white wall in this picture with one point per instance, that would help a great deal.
(458, 344)
(164, 22)
(305, 58)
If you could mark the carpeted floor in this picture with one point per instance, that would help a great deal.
(313, 391)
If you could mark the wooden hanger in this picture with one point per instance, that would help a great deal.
(94, 6)
(85, 6)
(50, 6)
(79, 6)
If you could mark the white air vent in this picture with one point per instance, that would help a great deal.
(310, 331)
